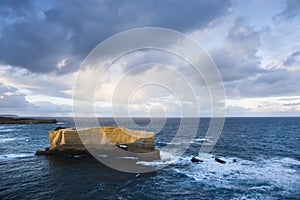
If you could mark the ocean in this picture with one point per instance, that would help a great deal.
(266, 151)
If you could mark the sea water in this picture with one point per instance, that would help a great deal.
(266, 151)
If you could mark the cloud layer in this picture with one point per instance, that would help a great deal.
(42, 44)
(57, 35)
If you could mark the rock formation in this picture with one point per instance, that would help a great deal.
(12, 120)
(219, 160)
(74, 142)
(194, 159)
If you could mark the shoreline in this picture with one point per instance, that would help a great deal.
(12, 120)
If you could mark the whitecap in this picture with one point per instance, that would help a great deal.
(102, 155)
(6, 130)
(3, 140)
(290, 161)
(12, 156)
(127, 157)
(166, 158)
(260, 175)
(162, 143)
(204, 141)
(263, 174)
(200, 139)
(176, 143)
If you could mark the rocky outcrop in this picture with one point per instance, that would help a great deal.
(12, 120)
(194, 159)
(219, 160)
(67, 141)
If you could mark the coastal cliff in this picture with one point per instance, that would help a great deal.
(67, 141)
(13, 120)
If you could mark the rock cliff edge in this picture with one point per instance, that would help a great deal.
(74, 142)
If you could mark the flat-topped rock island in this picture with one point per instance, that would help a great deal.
(103, 140)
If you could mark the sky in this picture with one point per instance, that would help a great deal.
(255, 45)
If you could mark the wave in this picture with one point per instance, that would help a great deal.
(197, 140)
(2, 130)
(102, 155)
(127, 157)
(261, 175)
(12, 156)
(166, 159)
(3, 140)
(246, 175)
(200, 139)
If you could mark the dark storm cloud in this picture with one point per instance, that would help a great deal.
(291, 10)
(37, 36)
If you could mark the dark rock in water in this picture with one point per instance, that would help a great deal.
(234, 160)
(59, 127)
(219, 160)
(194, 159)
(12, 120)
(62, 152)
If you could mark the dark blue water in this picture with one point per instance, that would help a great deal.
(267, 151)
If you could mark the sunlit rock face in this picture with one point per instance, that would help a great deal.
(72, 141)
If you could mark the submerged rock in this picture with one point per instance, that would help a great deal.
(194, 159)
(219, 160)
(101, 140)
